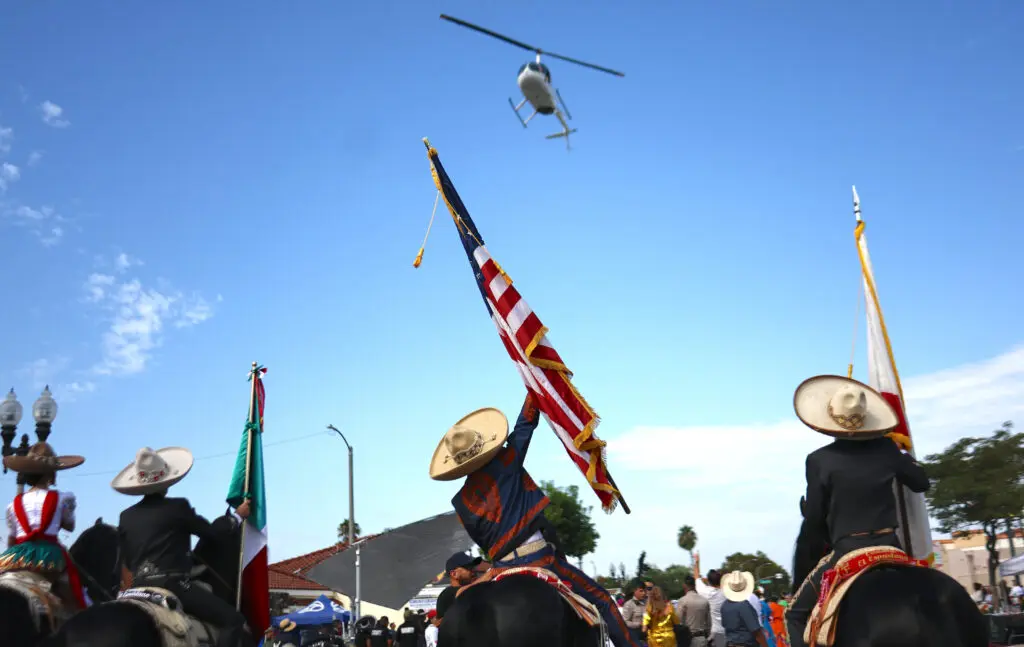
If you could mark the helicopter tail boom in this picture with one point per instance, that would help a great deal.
(566, 131)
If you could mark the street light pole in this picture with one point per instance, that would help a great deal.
(351, 521)
(44, 410)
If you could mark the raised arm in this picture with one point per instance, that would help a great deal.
(910, 473)
(197, 524)
(522, 433)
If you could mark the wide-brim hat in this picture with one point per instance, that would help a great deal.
(469, 445)
(153, 471)
(843, 408)
(737, 586)
(41, 459)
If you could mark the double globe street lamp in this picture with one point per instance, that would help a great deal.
(44, 410)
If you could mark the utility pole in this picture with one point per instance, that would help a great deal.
(351, 523)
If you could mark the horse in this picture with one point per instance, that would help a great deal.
(23, 621)
(113, 623)
(895, 605)
(515, 611)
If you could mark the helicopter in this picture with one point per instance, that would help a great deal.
(534, 80)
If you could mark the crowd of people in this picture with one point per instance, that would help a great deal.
(720, 610)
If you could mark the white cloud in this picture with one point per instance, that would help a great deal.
(34, 158)
(45, 223)
(43, 371)
(9, 174)
(53, 115)
(124, 261)
(6, 136)
(738, 483)
(138, 316)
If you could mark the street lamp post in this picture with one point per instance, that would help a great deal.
(44, 410)
(352, 524)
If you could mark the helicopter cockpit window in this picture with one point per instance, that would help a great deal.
(546, 71)
(521, 68)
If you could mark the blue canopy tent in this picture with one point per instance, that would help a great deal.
(321, 611)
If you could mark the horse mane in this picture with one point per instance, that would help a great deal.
(811, 546)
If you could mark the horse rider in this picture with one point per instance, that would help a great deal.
(34, 520)
(850, 495)
(155, 538)
(501, 507)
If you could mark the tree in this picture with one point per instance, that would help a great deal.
(687, 540)
(670, 579)
(343, 531)
(622, 573)
(641, 565)
(577, 535)
(978, 482)
(767, 573)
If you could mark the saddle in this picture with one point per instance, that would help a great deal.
(38, 590)
(584, 609)
(168, 614)
(836, 581)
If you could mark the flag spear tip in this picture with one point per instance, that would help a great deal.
(856, 203)
(426, 142)
(255, 364)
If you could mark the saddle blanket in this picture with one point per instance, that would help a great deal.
(38, 591)
(167, 612)
(837, 581)
(583, 608)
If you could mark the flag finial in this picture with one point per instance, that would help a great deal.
(856, 204)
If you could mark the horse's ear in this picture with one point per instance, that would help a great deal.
(99, 521)
(227, 513)
(803, 507)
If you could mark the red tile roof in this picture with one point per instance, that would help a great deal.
(289, 574)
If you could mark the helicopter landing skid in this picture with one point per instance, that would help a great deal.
(516, 110)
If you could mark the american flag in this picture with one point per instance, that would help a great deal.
(525, 339)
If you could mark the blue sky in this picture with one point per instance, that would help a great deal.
(260, 169)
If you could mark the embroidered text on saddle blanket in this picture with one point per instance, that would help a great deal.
(836, 582)
(166, 611)
(587, 611)
(37, 590)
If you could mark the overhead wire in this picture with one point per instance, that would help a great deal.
(203, 458)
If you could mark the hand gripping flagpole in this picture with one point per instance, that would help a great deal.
(253, 416)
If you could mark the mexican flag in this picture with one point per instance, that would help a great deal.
(247, 484)
(884, 378)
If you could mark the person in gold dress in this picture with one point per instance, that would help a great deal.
(659, 620)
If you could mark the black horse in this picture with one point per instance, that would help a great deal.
(515, 611)
(896, 606)
(126, 625)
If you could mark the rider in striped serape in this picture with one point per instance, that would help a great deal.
(502, 508)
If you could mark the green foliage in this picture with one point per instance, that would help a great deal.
(641, 565)
(978, 482)
(687, 539)
(577, 535)
(670, 580)
(763, 568)
(343, 531)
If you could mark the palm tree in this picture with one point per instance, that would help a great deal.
(343, 531)
(687, 539)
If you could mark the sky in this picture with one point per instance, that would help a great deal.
(186, 188)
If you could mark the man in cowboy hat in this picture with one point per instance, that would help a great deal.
(156, 537)
(35, 518)
(850, 481)
(501, 507)
(739, 618)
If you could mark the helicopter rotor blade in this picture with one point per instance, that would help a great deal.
(583, 63)
(494, 34)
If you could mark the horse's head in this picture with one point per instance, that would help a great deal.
(96, 554)
(811, 546)
(218, 559)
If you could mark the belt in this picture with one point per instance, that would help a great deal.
(699, 634)
(525, 549)
(871, 533)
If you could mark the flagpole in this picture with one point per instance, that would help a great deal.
(253, 376)
(871, 293)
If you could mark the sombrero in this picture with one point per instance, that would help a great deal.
(41, 459)
(469, 445)
(844, 408)
(153, 471)
(737, 586)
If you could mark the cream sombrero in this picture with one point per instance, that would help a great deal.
(153, 471)
(41, 459)
(469, 444)
(737, 586)
(843, 408)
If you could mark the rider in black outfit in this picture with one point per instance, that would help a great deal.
(155, 538)
(850, 495)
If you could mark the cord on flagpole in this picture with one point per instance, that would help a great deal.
(419, 256)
